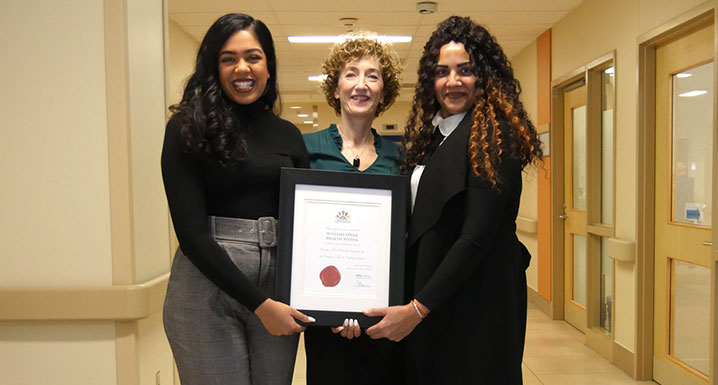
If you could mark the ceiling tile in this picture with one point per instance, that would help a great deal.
(225, 6)
(515, 23)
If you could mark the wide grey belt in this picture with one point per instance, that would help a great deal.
(262, 231)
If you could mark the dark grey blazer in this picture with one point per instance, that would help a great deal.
(465, 263)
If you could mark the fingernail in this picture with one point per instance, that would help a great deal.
(357, 323)
(311, 319)
(340, 328)
(346, 322)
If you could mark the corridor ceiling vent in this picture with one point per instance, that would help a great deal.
(426, 7)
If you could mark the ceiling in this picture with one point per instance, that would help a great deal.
(515, 23)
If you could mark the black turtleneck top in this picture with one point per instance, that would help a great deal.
(249, 189)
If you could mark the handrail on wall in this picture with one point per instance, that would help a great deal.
(526, 225)
(83, 303)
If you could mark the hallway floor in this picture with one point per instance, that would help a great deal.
(555, 354)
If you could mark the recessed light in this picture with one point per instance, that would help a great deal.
(342, 38)
(317, 78)
(693, 93)
(308, 121)
(295, 107)
(302, 115)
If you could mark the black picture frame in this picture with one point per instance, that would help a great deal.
(398, 186)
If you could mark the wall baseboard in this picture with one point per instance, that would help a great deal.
(624, 359)
(539, 302)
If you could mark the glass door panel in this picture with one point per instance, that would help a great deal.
(579, 270)
(690, 314)
(607, 102)
(692, 145)
(579, 157)
(606, 312)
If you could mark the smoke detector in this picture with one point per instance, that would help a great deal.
(348, 23)
(426, 7)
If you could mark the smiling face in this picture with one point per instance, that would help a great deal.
(243, 70)
(360, 87)
(454, 79)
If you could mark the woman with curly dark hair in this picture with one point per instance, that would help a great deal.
(362, 82)
(468, 138)
(222, 153)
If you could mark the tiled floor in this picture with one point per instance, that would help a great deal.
(555, 354)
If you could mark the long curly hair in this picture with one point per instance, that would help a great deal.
(501, 127)
(211, 124)
(361, 45)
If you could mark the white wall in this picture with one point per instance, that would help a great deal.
(147, 121)
(182, 54)
(57, 353)
(152, 248)
(525, 70)
(54, 197)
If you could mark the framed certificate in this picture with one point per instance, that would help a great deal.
(341, 243)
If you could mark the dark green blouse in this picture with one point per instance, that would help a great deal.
(325, 152)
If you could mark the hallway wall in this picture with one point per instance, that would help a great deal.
(84, 218)
(55, 226)
(596, 28)
(524, 64)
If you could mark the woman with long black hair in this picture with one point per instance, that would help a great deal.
(222, 153)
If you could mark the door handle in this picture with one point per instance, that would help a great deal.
(563, 216)
(707, 243)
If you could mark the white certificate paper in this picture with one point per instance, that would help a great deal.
(341, 249)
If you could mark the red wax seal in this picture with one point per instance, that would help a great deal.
(330, 276)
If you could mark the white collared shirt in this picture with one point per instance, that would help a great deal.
(446, 126)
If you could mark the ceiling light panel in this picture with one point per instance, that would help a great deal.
(341, 38)
(317, 78)
(691, 94)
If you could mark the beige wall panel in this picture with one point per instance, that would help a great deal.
(154, 351)
(57, 353)
(653, 13)
(625, 305)
(612, 25)
(531, 243)
(54, 197)
(147, 120)
(525, 70)
(573, 48)
(396, 115)
(183, 51)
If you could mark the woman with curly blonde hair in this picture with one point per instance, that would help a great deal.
(468, 138)
(362, 82)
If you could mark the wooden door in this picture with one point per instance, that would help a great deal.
(683, 208)
(575, 207)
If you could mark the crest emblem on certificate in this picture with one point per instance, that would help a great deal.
(343, 217)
